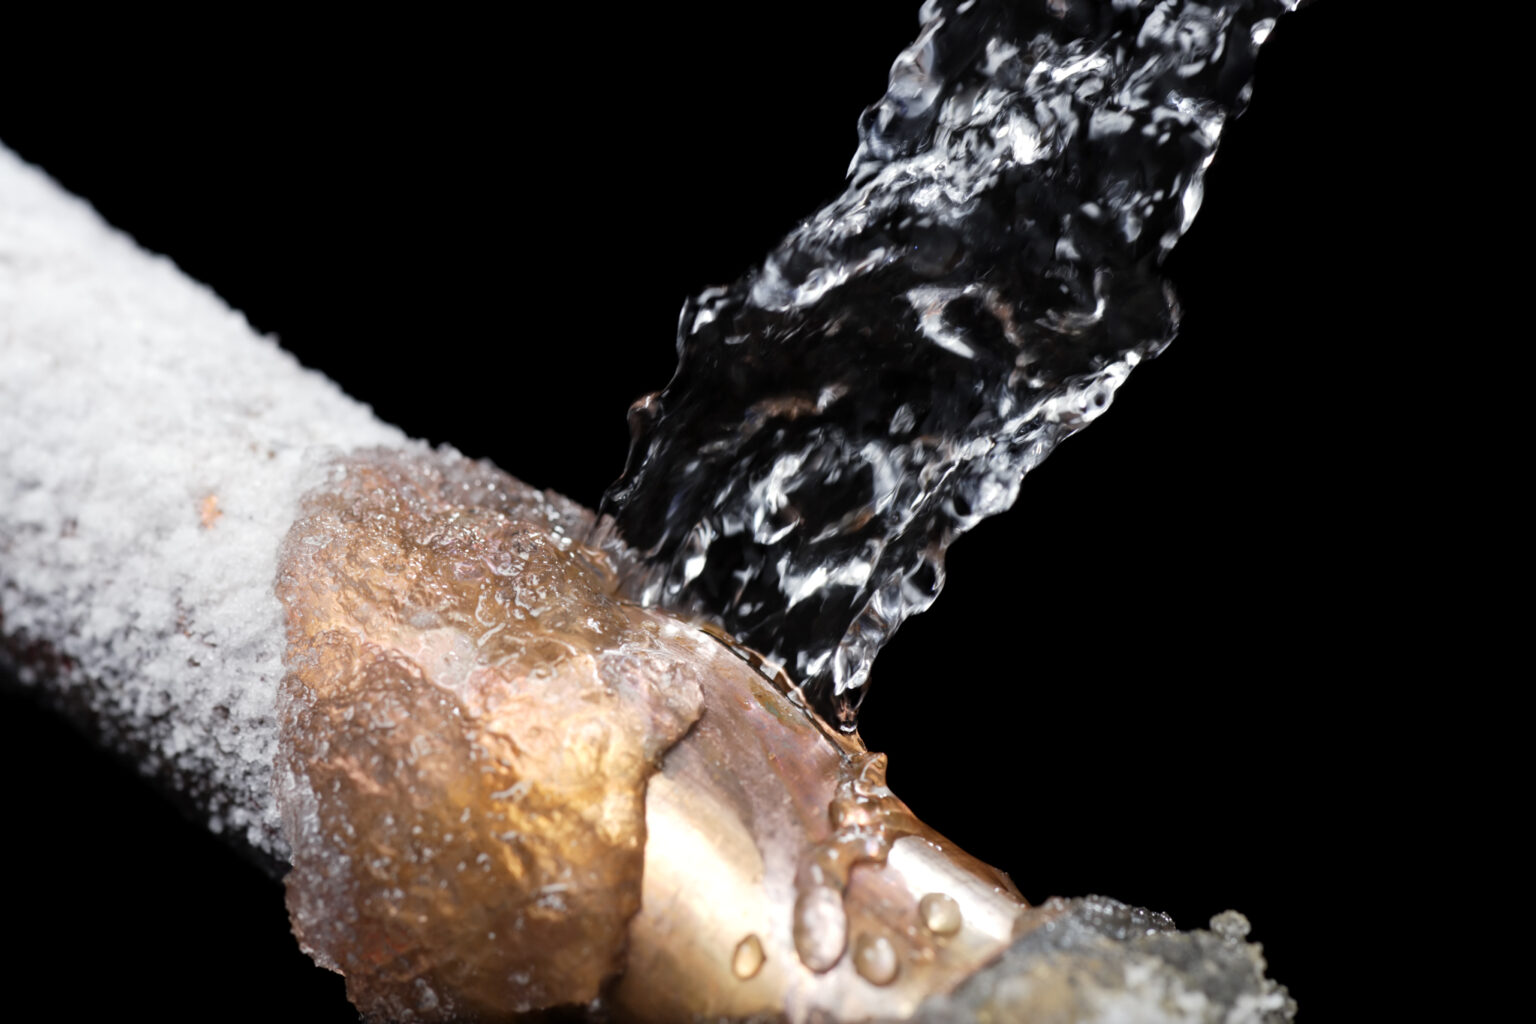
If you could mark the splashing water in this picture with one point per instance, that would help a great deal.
(897, 364)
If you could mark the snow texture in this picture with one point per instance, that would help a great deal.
(153, 450)
(1097, 959)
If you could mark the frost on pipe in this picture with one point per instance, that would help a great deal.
(152, 455)
(327, 415)
(904, 356)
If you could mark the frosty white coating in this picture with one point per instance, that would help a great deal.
(1097, 959)
(153, 449)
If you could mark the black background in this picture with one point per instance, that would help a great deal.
(1171, 674)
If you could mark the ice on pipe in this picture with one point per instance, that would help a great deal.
(470, 717)
(989, 278)
(1097, 959)
(120, 623)
(153, 450)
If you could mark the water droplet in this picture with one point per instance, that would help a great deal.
(875, 959)
(940, 913)
(748, 958)
(821, 927)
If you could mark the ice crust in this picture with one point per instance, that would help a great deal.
(1097, 959)
(153, 449)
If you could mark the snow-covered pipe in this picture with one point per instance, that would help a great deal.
(153, 450)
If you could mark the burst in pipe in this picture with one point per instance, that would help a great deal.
(503, 783)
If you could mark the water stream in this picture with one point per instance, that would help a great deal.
(888, 374)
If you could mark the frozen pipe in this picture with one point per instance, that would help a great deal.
(154, 453)
(157, 454)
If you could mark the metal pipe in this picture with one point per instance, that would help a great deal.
(7, 338)
(780, 875)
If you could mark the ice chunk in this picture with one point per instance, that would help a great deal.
(1096, 959)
